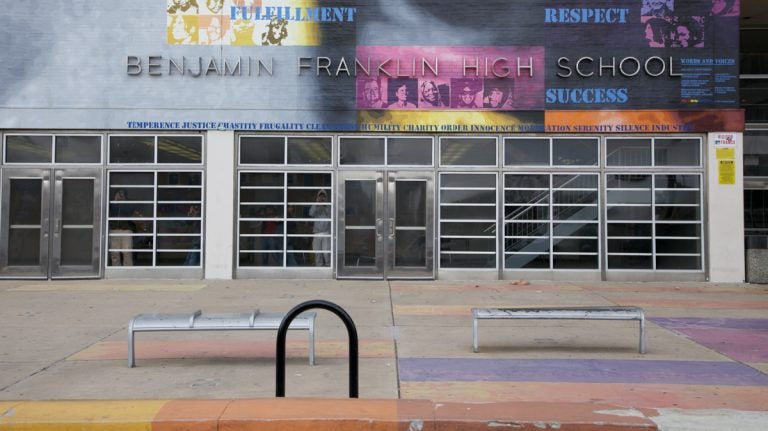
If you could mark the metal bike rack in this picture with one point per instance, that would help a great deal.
(283, 330)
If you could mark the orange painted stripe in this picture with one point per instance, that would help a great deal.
(750, 398)
(114, 350)
(183, 415)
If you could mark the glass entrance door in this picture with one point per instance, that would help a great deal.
(385, 225)
(51, 223)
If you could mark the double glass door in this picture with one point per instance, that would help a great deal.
(386, 224)
(50, 223)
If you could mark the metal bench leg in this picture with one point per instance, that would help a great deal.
(131, 359)
(312, 341)
(642, 334)
(474, 335)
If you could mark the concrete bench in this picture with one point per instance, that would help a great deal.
(218, 322)
(572, 313)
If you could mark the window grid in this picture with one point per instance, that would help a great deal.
(652, 148)
(52, 157)
(532, 227)
(654, 223)
(461, 165)
(482, 229)
(116, 252)
(155, 150)
(287, 256)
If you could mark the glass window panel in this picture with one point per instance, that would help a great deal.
(678, 229)
(179, 194)
(526, 196)
(179, 149)
(261, 195)
(409, 151)
(132, 149)
(526, 229)
(77, 202)
(630, 262)
(360, 248)
(134, 225)
(467, 228)
(178, 226)
(307, 259)
(756, 153)
(28, 149)
(361, 151)
(574, 197)
(261, 211)
(78, 149)
(562, 261)
(76, 246)
(300, 228)
(130, 210)
(629, 213)
(574, 245)
(526, 212)
(630, 246)
(468, 151)
(25, 244)
(678, 262)
(629, 196)
(309, 150)
(262, 150)
(319, 180)
(132, 194)
(575, 229)
(526, 152)
(468, 261)
(574, 152)
(677, 152)
(628, 152)
(409, 249)
(468, 244)
(132, 178)
(309, 195)
(296, 243)
(191, 242)
(678, 246)
(527, 245)
(178, 258)
(527, 181)
(629, 229)
(471, 212)
(468, 180)
(468, 196)
(410, 203)
(677, 197)
(526, 261)
(574, 181)
(261, 179)
(250, 227)
(360, 203)
(574, 213)
(26, 196)
(677, 181)
(678, 213)
(179, 178)
(628, 181)
(179, 210)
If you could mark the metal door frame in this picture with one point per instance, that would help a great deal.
(75, 271)
(50, 223)
(383, 267)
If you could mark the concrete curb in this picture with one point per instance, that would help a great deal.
(284, 414)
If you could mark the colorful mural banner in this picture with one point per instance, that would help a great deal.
(644, 121)
(451, 121)
(504, 78)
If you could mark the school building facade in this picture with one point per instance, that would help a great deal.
(598, 140)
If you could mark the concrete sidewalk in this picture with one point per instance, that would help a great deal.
(706, 366)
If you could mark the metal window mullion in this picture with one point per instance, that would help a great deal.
(285, 208)
(154, 212)
(551, 214)
(653, 208)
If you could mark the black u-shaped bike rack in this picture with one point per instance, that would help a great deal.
(283, 330)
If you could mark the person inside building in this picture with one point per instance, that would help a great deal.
(321, 243)
(121, 229)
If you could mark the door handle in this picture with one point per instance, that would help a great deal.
(379, 227)
(58, 227)
(392, 228)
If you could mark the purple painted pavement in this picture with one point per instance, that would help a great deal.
(741, 339)
(584, 371)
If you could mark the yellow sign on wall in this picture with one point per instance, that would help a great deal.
(725, 153)
(726, 171)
